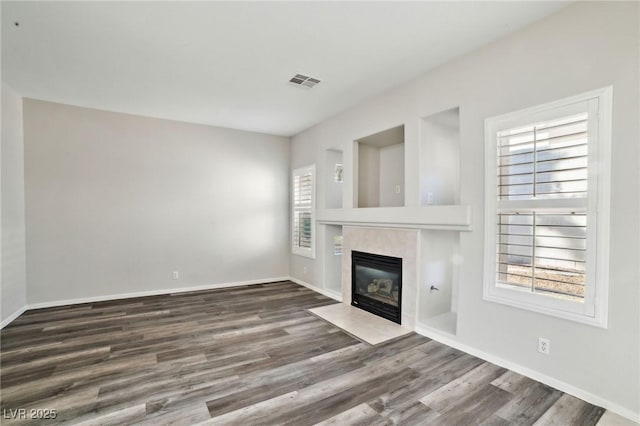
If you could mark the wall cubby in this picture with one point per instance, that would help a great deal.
(437, 306)
(333, 259)
(440, 158)
(334, 178)
(380, 169)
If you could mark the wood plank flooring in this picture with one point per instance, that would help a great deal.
(251, 355)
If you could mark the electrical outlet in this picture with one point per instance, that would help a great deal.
(544, 346)
(175, 275)
(304, 270)
(397, 189)
(429, 197)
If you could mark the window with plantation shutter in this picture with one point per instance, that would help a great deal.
(303, 220)
(547, 185)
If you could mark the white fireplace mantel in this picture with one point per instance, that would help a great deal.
(443, 217)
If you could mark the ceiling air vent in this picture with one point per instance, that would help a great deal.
(303, 80)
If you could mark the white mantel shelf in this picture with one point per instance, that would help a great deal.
(452, 217)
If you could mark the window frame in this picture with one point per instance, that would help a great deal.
(594, 309)
(296, 249)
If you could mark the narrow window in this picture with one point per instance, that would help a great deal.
(303, 214)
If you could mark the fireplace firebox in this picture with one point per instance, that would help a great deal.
(376, 284)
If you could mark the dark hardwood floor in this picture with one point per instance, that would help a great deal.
(251, 355)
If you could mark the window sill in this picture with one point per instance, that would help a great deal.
(542, 305)
(304, 253)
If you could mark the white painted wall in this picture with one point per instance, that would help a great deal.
(13, 289)
(116, 202)
(585, 46)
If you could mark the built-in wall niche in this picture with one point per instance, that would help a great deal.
(334, 178)
(333, 259)
(440, 158)
(380, 165)
(438, 280)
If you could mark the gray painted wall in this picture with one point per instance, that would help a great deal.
(13, 288)
(585, 46)
(116, 202)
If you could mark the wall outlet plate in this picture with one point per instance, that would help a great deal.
(544, 346)
(175, 275)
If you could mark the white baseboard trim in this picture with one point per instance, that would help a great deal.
(8, 320)
(525, 371)
(332, 294)
(152, 293)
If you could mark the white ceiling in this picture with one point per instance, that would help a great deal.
(228, 63)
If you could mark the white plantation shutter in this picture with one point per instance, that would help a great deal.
(541, 251)
(302, 229)
(303, 226)
(547, 160)
(546, 184)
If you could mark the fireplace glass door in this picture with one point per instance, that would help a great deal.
(377, 284)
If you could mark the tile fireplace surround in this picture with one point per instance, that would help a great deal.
(401, 243)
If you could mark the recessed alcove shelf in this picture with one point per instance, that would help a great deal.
(453, 218)
(380, 169)
(333, 259)
(438, 277)
(440, 158)
(446, 323)
(333, 178)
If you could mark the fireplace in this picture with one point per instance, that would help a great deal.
(376, 284)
